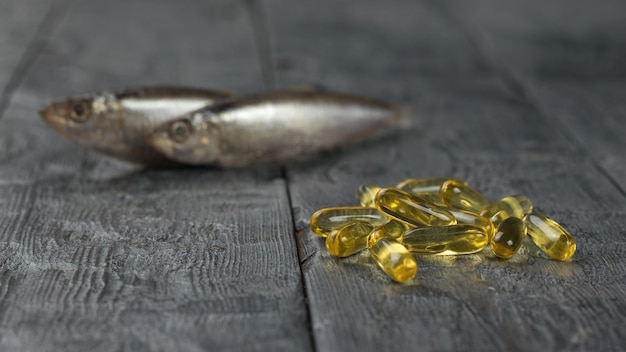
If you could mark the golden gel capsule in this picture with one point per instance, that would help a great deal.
(516, 206)
(349, 239)
(325, 220)
(455, 194)
(394, 229)
(419, 186)
(508, 238)
(466, 217)
(446, 240)
(426, 188)
(550, 237)
(411, 209)
(392, 257)
(366, 194)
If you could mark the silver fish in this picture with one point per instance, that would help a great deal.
(118, 123)
(272, 128)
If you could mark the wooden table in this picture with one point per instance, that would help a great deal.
(515, 97)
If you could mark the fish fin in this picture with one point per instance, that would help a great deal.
(225, 91)
(312, 89)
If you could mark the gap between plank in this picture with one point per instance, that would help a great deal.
(257, 15)
(34, 49)
(307, 306)
(518, 87)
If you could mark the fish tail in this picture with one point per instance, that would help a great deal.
(404, 117)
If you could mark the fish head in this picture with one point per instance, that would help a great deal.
(191, 139)
(87, 120)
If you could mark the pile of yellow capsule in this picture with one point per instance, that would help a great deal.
(439, 216)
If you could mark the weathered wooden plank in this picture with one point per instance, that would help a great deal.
(568, 59)
(594, 114)
(147, 261)
(470, 124)
(559, 40)
(100, 255)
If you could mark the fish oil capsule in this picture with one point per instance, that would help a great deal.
(424, 185)
(455, 194)
(466, 217)
(366, 194)
(349, 239)
(550, 237)
(411, 209)
(391, 256)
(426, 188)
(394, 229)
(325, 220)
(508, 238)
(446, 240)
(516, 206)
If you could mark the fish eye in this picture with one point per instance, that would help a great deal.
(79, 111)
(180, 131)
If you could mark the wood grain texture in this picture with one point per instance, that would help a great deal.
(100, 255)
(97, 254)
(472, 124)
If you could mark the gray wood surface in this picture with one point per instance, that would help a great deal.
(515, 97)
(471, 122)
(96, 254)
(568, 58)
(24, 29)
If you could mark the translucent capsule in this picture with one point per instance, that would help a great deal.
(508, 238)
(550, 237)
(392, 257)
(466, 217)
(455, 194)
(426, 188)
(325, 220)
(516, 206)
(411, 209)
(446, 240)
(366, 194)
(419, 186)
(394, 229)
(349, 239)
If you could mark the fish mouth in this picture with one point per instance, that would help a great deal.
(159, 144)
(53, 113)
(49, 114)
(152, 138)
(56, 121)
(46, 113)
